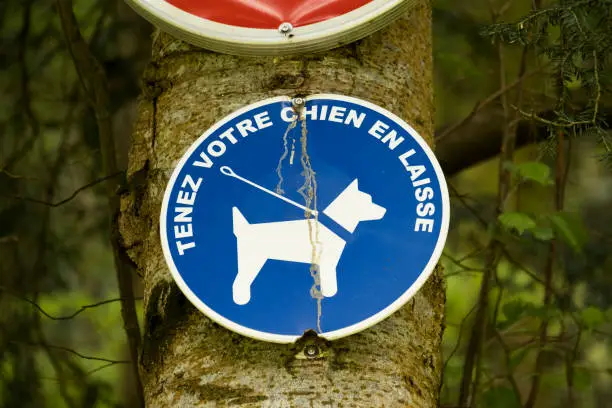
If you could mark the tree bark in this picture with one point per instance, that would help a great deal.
(189, 361)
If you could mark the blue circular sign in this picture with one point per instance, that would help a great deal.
(327, 213)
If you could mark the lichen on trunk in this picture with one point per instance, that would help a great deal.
(189, 361)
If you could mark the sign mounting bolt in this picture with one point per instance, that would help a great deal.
(311, 351)
(285, 28)
(298, 105)
(297, 102)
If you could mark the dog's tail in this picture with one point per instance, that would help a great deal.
(239, 221)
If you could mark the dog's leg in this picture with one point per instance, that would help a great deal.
(327, 270)
(329, 284)
(250, 258)
(249, 265)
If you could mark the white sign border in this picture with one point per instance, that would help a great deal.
(335, 334)
(229, 39)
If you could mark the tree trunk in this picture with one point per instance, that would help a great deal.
(189, 361)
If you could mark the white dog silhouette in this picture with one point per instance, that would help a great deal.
(304, 241)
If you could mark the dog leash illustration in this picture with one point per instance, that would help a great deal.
(227, 171)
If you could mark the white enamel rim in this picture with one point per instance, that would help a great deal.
(229, 39)
(335, 334)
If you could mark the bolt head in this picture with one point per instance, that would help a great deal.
(285, 28)
(311, 351)
(297, 101)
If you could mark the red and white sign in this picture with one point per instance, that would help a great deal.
(270, 27)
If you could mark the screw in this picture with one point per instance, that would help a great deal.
(311, 351)
(285, 28)
(297, 102)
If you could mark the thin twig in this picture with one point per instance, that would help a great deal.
(471, 209)
(88, 373)
(102, 367)
(569, 369)
(15, 176)
(461, 265)
(25, 107)
(505, 252)
(95, 84)
(482, 104)
(472, 369)
(67, 317)
(9, 239)
(71, 351)
(560, 184)
(458, 343)
(71, 196)
(56, 363)
(509, 374)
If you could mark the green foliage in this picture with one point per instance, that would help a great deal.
(582, 378)
(517, 357)
(543, 233)
(566, 226)
(570, 228)
(592, 317)
(533, 171)
(513, 310)
(500, 397)
(575, 38)
(545, 323)
(518, 221)
(58, 257)
(516, 309)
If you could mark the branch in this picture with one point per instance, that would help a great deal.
(57, 366)
(15, 176)
(95, 85)
(482, 104)
(81, 310)
(25, 106)
(67, 317)
(472, 368)
(9, 239)
(509, 374)
(71, 351)
(458, 343)
(71, 196)
(560, 186)
(88, 373)
(464, 268)
(103, 366)
(478, 138)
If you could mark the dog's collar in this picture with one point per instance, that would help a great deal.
(336, 228)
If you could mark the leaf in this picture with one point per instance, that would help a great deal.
(569, 228)
(543, 233)
(517, 221)
(534, 171)
(592, 317)
(541, 312)
(582, 378)
(513, 310)
(500, 397)
(517, 357)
